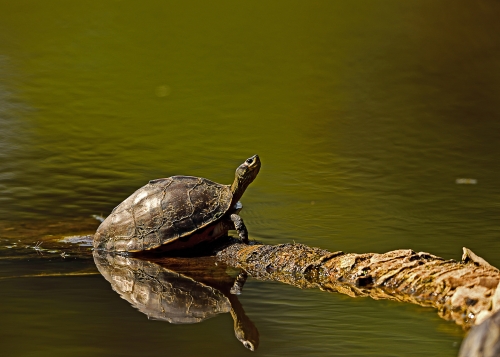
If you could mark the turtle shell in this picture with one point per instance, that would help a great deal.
(163, 212)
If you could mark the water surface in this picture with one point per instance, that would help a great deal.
(364, 115)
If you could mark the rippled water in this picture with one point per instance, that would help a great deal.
(364, 114)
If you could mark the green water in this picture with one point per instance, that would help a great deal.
(364, 114)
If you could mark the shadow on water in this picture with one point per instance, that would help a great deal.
(178, 290)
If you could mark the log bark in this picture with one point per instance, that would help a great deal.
(483, 339)
(466, 292)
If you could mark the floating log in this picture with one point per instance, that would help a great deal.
(465, 291)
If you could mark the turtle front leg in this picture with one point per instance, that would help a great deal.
(240, 228)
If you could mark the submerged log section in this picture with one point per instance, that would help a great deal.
(466, 292)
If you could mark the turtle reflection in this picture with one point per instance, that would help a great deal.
(178, 290)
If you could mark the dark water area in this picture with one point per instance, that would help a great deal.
(377, 123)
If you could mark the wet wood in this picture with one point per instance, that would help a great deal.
(466, 292)
(483, 340)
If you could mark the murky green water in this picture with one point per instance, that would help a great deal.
(364, 114)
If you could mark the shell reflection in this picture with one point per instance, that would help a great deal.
(178, 290)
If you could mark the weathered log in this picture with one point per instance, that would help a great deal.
(483, 339)
(466, 292)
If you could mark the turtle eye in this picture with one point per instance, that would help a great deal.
(249, 161)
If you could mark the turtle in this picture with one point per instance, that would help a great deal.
(176, 213)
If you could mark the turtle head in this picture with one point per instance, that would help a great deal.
(248, 170)
(245, 174)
